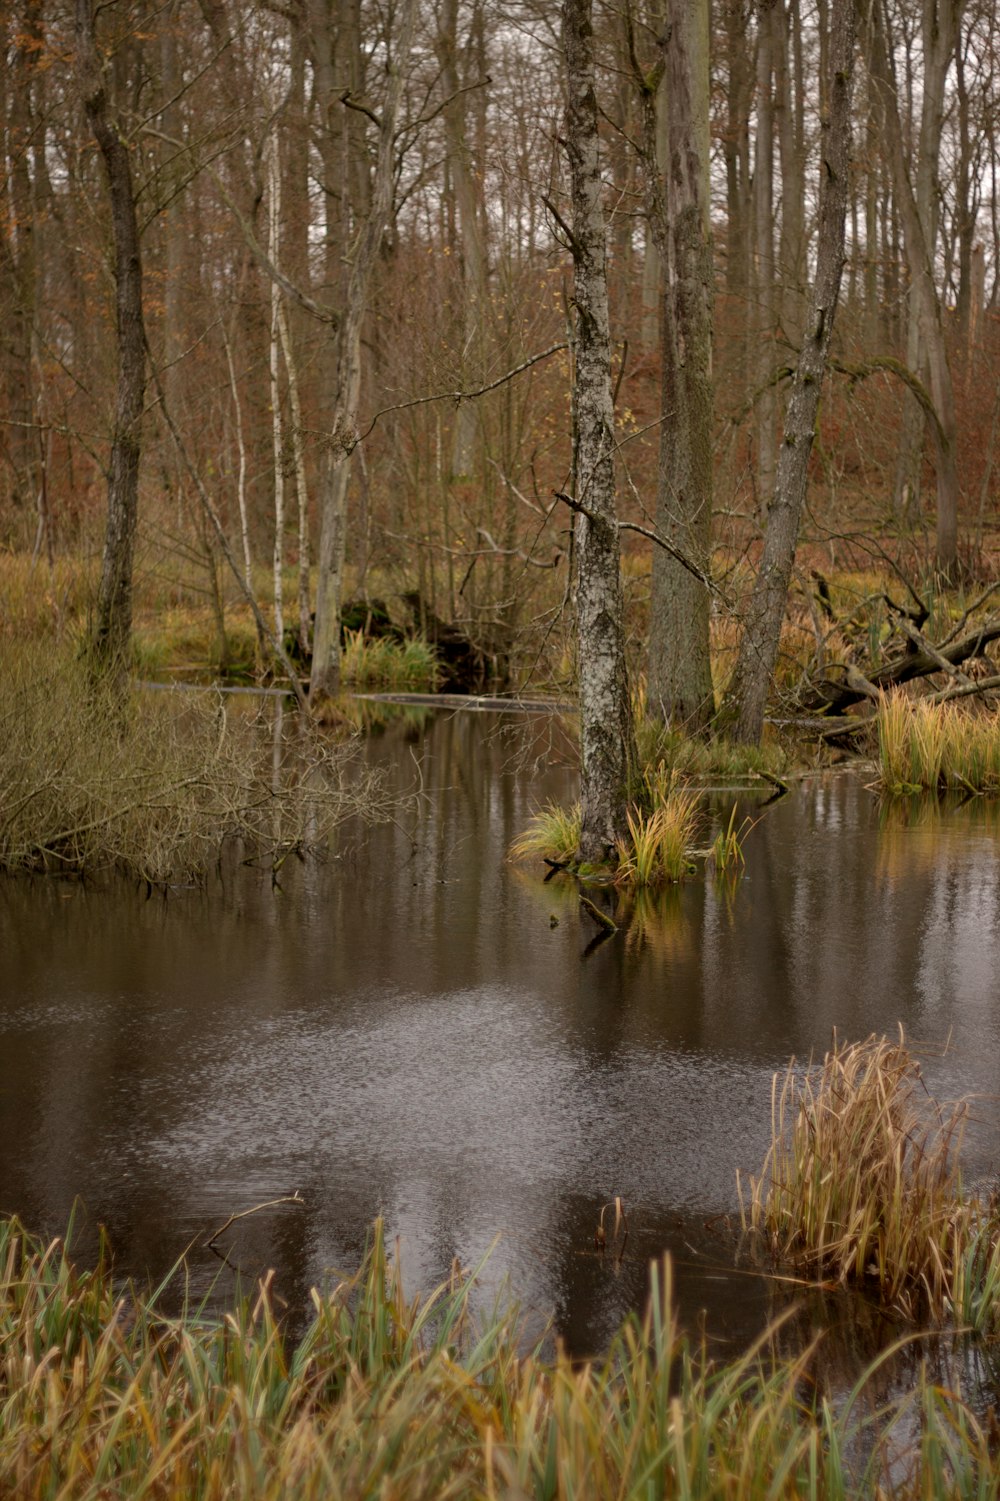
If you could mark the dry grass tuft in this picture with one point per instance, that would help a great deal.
(862, 1183)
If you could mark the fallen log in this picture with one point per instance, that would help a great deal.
(832, 695)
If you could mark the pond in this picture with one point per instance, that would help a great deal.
(421, 1029)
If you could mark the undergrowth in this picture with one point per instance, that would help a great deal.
(103, 1397)
(382, 662)
(153, 784)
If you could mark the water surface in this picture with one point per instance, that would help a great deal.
(421, 1029)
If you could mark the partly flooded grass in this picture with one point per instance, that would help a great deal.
(155, 784)
(927, 746)
(862, 1184)
(662, 823)
(102, 1396)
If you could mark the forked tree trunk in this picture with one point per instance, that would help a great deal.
(113, 626)
(606, 731)
(759, 644)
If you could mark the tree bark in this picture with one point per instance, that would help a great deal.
(759, 644)
(113, 626)
(680, 673)
(325, 678)
(916, 209)
(606, 731)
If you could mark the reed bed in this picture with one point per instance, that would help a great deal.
(104, 1397)
(155, 784)
(926, 746)
(862, 1184)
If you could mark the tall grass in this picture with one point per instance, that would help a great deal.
(154, 786)
(104, 1398)
(862, 1183)
(924, 746)
(659, 841)
(397, 666)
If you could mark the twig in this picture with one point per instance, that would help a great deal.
(963, 690)
(459, 396)
(293, 1198)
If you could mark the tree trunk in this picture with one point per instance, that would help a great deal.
(759, 644)
(606, 732)
(761, 326)
(325, 678)
(918, 215)
(680, 672)
(113, 626)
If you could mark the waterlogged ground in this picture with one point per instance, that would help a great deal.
(420, 1029)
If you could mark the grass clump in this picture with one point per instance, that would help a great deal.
(862, 1183)
(658, 842)
(553, 833)
(103, 1397)
(661, 820)
(382, 662)
(715, 758)
(923, 746)
(154, 783)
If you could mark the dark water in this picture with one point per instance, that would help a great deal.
(403, 1030)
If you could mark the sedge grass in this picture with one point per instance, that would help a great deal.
(727, 848)
(925, 746)
(658, 843)
(862, 1183)
(103, 1397)
(553, 833)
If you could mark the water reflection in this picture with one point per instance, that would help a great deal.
(411, 1028)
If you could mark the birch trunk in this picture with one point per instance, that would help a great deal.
(606, 732)
(325, 678)
(759, 644)
(277, 434)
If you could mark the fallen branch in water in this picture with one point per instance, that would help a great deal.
(294, 1198)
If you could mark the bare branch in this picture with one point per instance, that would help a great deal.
(457, 396)
(651, 536)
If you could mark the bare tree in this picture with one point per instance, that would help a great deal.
(325, 678)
